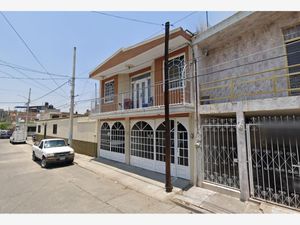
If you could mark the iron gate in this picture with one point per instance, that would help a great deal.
(273, 153)
(220, 152)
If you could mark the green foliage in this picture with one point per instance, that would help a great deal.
(5, 126)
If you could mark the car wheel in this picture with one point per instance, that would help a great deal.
(33, 156)
(44, 163)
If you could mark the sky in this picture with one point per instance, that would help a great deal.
(51, 37)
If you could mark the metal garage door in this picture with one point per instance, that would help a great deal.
(273, 152)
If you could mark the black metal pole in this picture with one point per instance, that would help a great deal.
(207, 24)
(45, 130)
(167, 113)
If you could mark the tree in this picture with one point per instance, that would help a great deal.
(4, 126)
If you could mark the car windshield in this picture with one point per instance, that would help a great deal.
(54, 143)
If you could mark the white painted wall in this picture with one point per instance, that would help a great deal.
(84, 128)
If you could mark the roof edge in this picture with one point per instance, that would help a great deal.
(237, 17)
(92, 73)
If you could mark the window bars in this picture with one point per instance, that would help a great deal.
(113, 139)
(142, 140)
(220, 152)
(105, 137)
(118, 138)
(274, 151)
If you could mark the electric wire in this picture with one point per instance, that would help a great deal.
(128, 19)
(27, 46)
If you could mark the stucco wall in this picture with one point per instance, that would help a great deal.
(84, 129)
(221, 60)
(124, 88)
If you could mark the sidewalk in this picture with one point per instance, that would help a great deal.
(143, 181)
(194, 198)
(206, 201)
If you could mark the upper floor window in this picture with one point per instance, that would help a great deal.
(292, 43)
(109, 91)
(176, 69)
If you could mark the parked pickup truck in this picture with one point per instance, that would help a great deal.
(52, 151)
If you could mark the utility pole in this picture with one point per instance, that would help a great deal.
(27, 111)
(72, 99)
(95, 96)
(207, 24)
(168, 184)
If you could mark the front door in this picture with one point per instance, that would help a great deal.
(141, 92)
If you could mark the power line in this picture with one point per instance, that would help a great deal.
(12, 65)
(40, 85)
(50, 92)
(28, 48)
(128, 19)
(183, 18)
(12, 102)
(30, 78)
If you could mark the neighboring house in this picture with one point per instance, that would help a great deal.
(249, 83)
(130, 111)
(223, 113)
(84, 132)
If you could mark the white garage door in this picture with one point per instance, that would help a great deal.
(148, 148)
(112, 143)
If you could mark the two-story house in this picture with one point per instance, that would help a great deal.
(130, 110)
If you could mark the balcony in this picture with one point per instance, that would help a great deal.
(145, 98)
(277, 82)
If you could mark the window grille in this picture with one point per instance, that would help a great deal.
(182, 143)
(142, 140)
(176, 67)
(109, 91)
(160, 141)
(118, 138)
(105, 137)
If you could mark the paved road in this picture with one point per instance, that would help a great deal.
(27, 188)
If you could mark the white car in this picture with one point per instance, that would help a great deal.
(52, 151)
(18, 136)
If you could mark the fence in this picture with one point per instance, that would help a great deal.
(145, 97)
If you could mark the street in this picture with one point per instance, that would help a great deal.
(27, 188)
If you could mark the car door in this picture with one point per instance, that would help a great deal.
(39, 152)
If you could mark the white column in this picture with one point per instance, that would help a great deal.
(127, 140)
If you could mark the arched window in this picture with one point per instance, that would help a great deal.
(182, 145)
(105, 137)
(176, 67)
(118, 138)
(142, 140)
(160, 141)
(181, 138)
